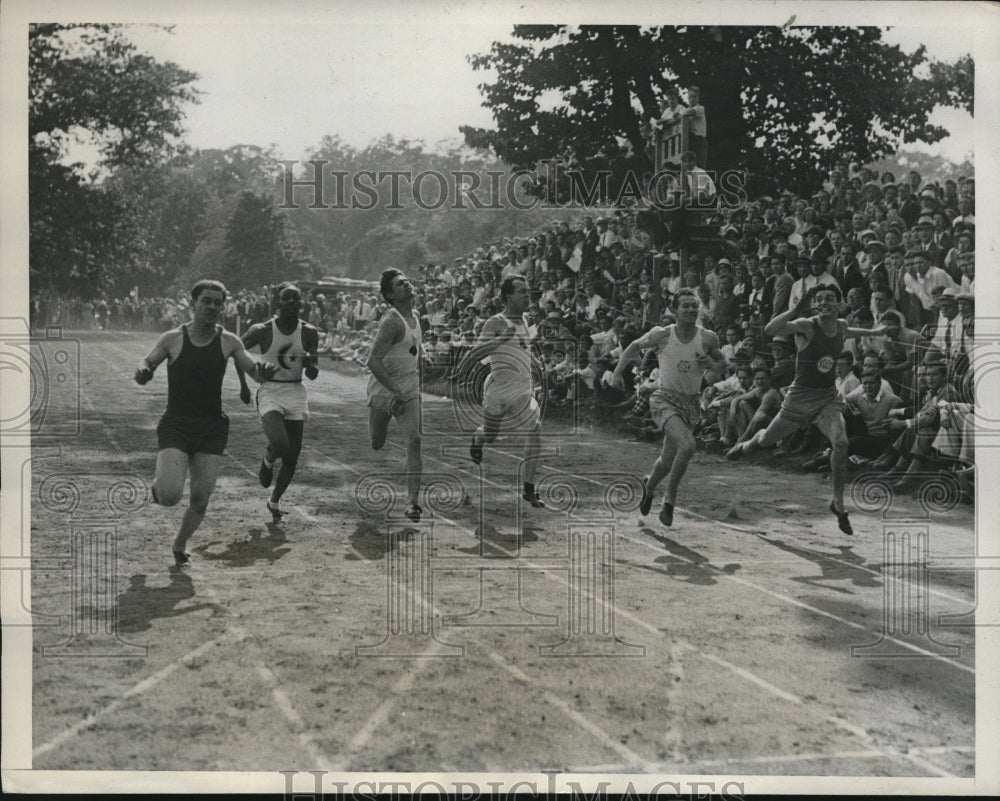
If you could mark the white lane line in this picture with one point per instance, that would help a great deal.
(750, 584)
(746, 674)
(752, 677)
(233, 635)
(706, 518)
(632, 759)
(298, 726)
(381, 714)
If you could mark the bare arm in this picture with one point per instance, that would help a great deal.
(656, 336)
(259, 371)
(714, 360)
(159, 353)
(310, 343)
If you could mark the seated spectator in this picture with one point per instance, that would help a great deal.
(845, 379)
(911, 452)
(902, 349)
(870, 405)
(754, 410)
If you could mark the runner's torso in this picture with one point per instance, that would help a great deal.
(510, 363)
(402, 360)
(679, 369)
(285, 352)
(194, 378)
(815, 362)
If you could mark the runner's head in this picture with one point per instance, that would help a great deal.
(208, 299)
(826, 300)
(514, 293)
(686, 305)
(394, 286)
(289, 301)
(207, 283)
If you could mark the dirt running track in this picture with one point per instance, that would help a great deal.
(491, 638)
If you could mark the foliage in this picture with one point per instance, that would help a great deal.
(579, 95)
(89, 85)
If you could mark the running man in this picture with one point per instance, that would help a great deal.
(193, 431)
(290, 346)
(686, 352)
(394, 386)
(812, 396)
(508, 392)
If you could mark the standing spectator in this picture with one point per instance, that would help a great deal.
(695, 112)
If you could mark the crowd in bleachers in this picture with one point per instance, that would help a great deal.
(901, 252)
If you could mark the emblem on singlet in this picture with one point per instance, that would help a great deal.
(825, 365)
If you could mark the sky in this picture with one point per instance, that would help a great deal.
(288, 84)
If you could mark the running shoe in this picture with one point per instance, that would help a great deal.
(181, 558)
(647, 498)
(476, 451)
(266, 474)
(842, 522)
(414, 512)
(667, 514)
(532, 498)
(276, 513)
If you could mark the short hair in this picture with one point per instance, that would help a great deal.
(385, 283)
(870, 375)
(891, 316)
(507, 285)
(288, 285)
(687, 292)
(762, 368)
(847, 356)
(207, 283)
(828, 288)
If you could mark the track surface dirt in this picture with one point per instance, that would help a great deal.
(490, 636)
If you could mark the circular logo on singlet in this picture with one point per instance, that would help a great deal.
(825, 365)
(683, 366)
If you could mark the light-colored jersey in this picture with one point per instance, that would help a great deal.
(285, 353)
(510, 363)
(679, 369)
(402, 359)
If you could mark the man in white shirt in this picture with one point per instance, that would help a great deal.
(948, 329)
(818, 275)
(921, 282)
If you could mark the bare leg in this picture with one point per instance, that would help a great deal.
(204, 468)
(290, 457)
(684, 445)
(171, 472)
(409, 422)
(378, 427)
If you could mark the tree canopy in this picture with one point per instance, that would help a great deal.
(88, 84)
(782, 104)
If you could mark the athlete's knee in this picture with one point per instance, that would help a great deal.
(839, 444)
(167, 496)
(199, 500)
(686, 448)
(413, 443)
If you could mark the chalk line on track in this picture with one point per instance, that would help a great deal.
(743, 673)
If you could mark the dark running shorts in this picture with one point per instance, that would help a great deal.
(193, 434)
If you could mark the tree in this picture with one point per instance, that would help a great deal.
(89, 84)
(782, 104)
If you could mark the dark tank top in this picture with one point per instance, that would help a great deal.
(194, 378)
(815, 362)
